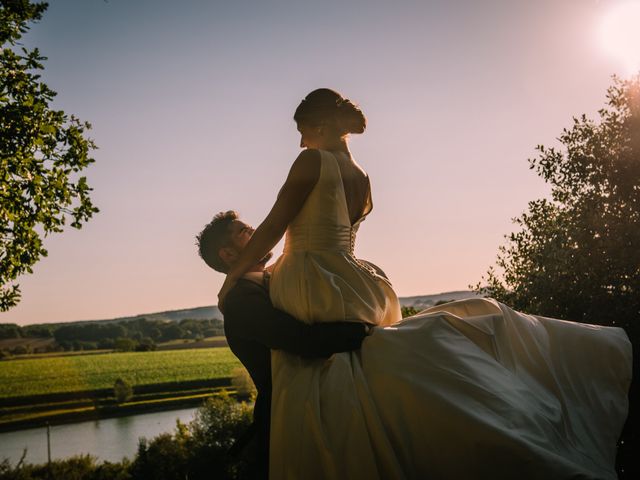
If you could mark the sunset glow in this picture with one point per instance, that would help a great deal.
(192, 110)
(620, 34)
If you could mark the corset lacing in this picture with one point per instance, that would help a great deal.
(363, 266)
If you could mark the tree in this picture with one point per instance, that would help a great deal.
(243, 383)
(172, 332)
(124, 344)
(576, 255)
(122, 390)
(10, 330)
(41, 152)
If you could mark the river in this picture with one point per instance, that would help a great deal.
(108, 439)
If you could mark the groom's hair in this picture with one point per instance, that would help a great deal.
(214, 236)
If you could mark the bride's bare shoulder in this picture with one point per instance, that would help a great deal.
(309, 155)
(306, 165)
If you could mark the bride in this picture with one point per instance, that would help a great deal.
(471, 389)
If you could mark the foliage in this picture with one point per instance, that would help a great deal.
(39, 376)
(36, 331)
(408, 311)
(576, 255)
(41, 152)
(10, 330)
(80, 467)
(163, 458)
(218, 424)
(20, 350)
(198, 450)
(122, 390)
(125, 344)
(144, 332)
(243, 383)
(146, 344)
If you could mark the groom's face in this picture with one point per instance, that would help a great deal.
(240, 233)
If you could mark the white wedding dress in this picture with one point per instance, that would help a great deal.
(471, 389)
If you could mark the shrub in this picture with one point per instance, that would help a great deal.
(163, 458)
(107, 343)
(80, 467)
(218, 424)
(197, 451)
(243, 383)
(408, 311)
(146, 345)
(21, 350)
(122, 390)
(123, 344)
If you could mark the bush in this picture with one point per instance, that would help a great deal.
(163, 458)
(242, 382)
(79, 345)
(146, 345)
(10, 330)
(123, 344)
(80, 467)
(122, 390)
(212, 332)
(198, 450)
(218, 424)
(21, 350)
(408, 311)
(107, 343)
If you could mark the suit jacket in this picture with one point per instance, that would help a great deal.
(253, 328)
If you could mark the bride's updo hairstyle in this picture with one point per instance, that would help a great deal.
(327, 107)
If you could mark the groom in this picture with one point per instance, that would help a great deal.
(253, 326)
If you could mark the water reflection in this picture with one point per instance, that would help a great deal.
(108, 439)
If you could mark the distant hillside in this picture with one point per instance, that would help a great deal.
(201, 313)
(425, 301)
(197, 313)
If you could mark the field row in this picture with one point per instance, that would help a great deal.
(90, 372)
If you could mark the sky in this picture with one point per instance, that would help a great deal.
(191, 104)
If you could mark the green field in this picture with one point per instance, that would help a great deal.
(90, 372)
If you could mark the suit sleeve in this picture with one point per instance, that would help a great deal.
(249, 314)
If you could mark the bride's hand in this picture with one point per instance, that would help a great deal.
(229, 283)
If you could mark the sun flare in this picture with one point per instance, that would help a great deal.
(620, 34)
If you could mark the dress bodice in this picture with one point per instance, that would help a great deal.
(318, 278)
(323, 223)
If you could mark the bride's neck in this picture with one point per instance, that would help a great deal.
(336, 145)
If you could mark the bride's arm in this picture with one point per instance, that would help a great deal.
(302, 177)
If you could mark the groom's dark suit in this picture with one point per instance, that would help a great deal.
(253, 327)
